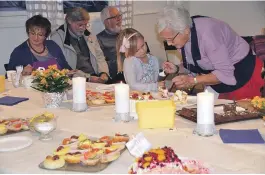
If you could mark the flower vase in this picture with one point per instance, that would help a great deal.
(53, 100)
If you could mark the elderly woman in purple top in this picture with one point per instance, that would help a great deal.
(213, 54)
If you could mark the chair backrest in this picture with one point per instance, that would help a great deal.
(6, 66)
(248, 39)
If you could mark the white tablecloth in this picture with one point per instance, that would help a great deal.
(223, 158)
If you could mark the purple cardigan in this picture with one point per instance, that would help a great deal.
(220, 48)
(22, 55)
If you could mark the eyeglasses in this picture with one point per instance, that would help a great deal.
(41, 35)
(83, 25)
(172, 40)
(115, 17)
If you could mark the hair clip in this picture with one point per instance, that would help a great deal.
(125, 43)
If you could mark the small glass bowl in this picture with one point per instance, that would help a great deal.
(45, 127)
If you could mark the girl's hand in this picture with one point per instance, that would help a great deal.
(169, 68)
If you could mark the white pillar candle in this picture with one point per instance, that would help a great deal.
(122, 98)
(79, 90)
(205, 105)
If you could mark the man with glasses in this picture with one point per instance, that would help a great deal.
(112, 19)
(81, 50)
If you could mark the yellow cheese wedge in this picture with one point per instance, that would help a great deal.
(156, 114)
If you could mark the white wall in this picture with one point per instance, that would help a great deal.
(12, 33)
(145, 14)
(246, 18)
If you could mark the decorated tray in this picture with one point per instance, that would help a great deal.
(85, 154)
(95, 99)
(13, 125)
(223, 114)
(165, 161)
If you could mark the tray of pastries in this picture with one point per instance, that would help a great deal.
(223, 114)
(100, 99)
(13, 125)
(85, 154)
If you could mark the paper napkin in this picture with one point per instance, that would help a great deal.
(10, 101)
(241, 136)
(138, 145)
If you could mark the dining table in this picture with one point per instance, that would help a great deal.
(98, 121)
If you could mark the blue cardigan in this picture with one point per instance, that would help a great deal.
(22, 55)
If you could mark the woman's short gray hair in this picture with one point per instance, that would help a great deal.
(77, 14)
(175, 18)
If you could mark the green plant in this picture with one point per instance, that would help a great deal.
(51, 80)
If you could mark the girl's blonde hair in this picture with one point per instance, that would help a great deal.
(133, 35)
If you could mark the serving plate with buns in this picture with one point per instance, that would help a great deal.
(13, 125)
(85, 154)
(95, 99)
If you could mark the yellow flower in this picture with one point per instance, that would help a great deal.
(53, 67)
(55, 75)
(64, 72)
(258, 102)
(47, 71)
(43, 81)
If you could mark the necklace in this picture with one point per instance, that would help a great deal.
(41, 52)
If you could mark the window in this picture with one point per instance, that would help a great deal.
(12, 5)
(90, 6)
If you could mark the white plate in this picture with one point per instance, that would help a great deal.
(14, 143)
(192, 100)
(110, 87)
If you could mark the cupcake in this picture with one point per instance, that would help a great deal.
(53, 162)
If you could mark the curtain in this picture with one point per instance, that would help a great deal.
(126, 8)
(53, 10)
